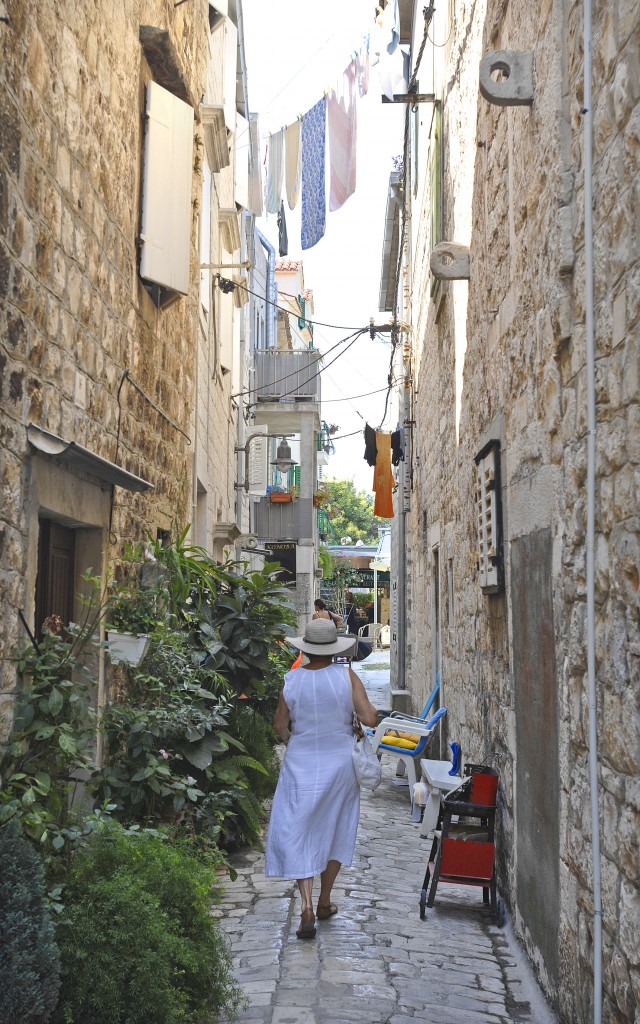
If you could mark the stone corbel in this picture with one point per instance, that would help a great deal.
(516, 88)
(450, 262)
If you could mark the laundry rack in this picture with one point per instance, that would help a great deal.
(463, 848)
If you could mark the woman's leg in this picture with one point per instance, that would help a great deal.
(307, 929)
(327, 878)
(305, 886)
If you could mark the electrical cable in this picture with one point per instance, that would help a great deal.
(294, 373)
(428, 16)
(227, 286)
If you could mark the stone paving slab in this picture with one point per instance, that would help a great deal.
(375, 962)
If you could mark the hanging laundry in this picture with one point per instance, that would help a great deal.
(342, 124)
(314, 127)
(383, 477)
(370, 450)
(283, 241)
(391, 63)
(255, 189)
(362, 67)
(397, 451)
(292, 162)
(275, 172)
(391, 26)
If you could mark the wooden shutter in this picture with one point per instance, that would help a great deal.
(230, 66)
(241, 163)
(489, 518)
(166, 190)
(258, 468)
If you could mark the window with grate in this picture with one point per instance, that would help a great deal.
(489, 518)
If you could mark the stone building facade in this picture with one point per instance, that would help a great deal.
(497, 366)
(117, 362)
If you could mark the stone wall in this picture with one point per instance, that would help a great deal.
(511, 660)
(74, 314)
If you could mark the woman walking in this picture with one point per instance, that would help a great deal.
(314, 818)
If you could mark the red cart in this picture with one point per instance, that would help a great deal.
(463, 850)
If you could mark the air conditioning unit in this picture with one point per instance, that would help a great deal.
(318, 573)
(248, 541)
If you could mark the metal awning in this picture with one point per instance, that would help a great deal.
(84, 460)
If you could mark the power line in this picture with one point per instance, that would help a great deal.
(294, 373)
(228, 286)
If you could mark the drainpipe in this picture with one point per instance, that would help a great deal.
(271, 288)
(591, 507)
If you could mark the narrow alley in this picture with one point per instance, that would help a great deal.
(376, 961)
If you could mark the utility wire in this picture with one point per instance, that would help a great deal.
(294, 373)
(428, 15)
(228, 286)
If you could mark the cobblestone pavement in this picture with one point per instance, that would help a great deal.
(375, 962)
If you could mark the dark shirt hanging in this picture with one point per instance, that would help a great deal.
(397, 452)
(283, 241)
(370, 447)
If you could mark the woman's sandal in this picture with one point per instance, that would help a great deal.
(307, 929)
(325, 911)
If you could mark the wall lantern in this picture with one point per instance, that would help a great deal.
(283, 461)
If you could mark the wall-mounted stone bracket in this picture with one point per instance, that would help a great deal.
(450, 262)
(516, 89)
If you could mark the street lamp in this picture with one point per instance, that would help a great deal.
(283, 461)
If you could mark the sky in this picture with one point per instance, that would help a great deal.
(295, 52)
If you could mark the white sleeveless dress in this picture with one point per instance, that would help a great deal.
(316, 806)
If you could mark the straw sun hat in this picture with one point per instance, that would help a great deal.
(321, 637)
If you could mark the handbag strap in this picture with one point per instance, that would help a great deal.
(358, 731)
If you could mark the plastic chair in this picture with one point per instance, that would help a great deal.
(408, 758)
(370, 631)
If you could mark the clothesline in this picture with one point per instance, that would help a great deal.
(294, 156)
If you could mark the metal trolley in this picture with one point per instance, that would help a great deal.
(463, 848)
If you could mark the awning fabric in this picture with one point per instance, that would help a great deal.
(84, 460)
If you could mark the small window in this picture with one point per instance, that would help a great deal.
(489, 519)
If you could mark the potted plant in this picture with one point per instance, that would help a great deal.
(280, 496)
(131, 617)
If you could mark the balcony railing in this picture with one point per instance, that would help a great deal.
(287, 376)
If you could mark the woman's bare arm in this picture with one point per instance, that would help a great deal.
(281, 719)
(367, 714)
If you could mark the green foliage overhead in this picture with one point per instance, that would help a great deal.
(351, 512)
(29, 958)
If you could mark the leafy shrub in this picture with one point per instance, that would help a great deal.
(53, 735)
(138, 943)
(235, 614)
(29, 958)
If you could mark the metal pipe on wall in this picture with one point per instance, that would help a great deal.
(591, 509)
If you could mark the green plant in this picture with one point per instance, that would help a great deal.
(236, 615)
(184, 742)
(135, 606)
(138, 942)
(53, 736)
(29, 958)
